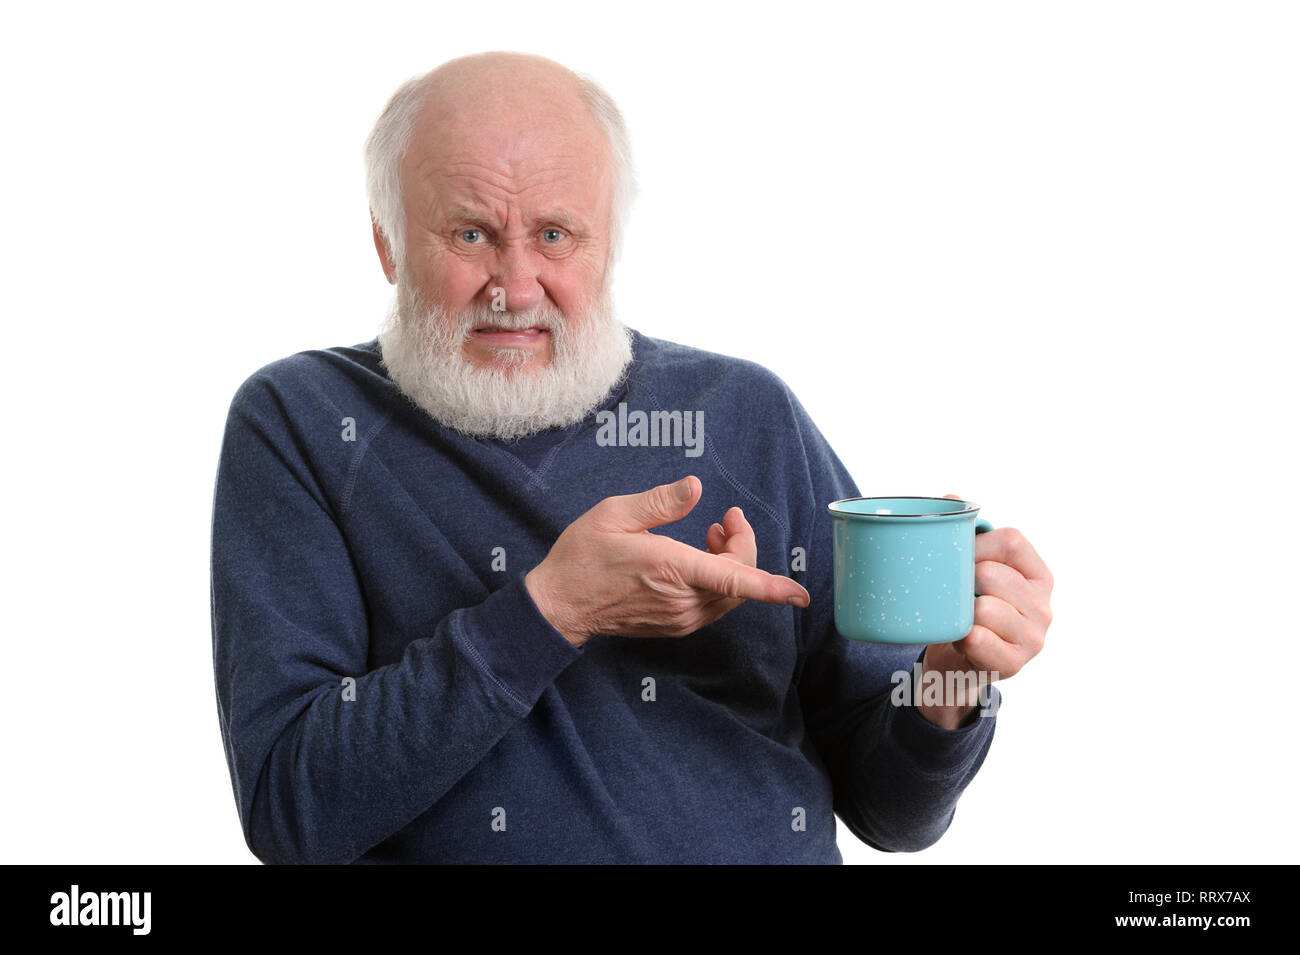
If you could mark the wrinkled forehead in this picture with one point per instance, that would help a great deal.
(501, 144)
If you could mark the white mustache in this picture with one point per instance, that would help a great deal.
(480, 317)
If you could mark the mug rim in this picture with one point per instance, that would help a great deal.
(970, 508)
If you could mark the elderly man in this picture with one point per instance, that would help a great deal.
(513, 583)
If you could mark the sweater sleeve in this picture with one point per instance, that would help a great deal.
(896, 776)
(327, 757)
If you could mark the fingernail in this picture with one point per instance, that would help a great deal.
(683, 489)
(796, 601)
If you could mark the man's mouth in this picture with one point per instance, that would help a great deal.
(502, 335)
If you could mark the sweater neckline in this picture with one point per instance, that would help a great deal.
(555, 440)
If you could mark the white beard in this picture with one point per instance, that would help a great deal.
(422, 351)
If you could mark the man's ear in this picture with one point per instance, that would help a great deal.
(385, 253)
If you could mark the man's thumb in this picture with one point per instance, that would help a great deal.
(663, 504)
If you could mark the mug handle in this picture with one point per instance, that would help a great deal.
(981, 526)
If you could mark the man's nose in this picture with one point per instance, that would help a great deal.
(516, 274)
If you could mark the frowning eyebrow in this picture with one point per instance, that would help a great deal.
(476, 217)
(464, 214)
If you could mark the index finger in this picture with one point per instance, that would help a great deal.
(1008, 546)
(725, 576)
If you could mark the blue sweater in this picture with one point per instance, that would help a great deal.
(389, 692)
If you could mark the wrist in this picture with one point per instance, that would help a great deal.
(947, 717)
(957, 700)
(538, 589)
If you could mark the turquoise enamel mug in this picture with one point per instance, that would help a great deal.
(905, 568)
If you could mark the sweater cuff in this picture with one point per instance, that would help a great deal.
(936, 749)
(515, 644)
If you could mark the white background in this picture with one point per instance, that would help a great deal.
(1077, 225)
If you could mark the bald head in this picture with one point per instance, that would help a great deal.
(497, 82)
(512, 99)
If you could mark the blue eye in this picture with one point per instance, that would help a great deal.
(555, 232)
(470, 232)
